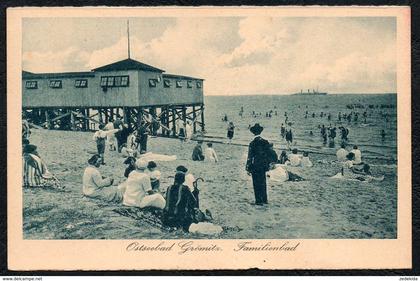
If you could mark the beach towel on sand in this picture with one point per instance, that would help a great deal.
(357, 177)
(150, 156)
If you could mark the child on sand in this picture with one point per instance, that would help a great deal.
(130, 161)
(210, 154)
(342, 153)
(305, 161)
(197, 154)
(283, 157)
(99, 137)
(357, 155)
(294, 158)
(154, 175)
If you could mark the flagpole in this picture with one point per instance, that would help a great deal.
(128, 38)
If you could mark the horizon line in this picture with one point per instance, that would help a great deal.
(227, 95)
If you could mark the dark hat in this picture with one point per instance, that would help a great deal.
(179, 178)
(182, 169)
(151, 165)
(29, 148)
(94, 159)
(129, 159)
(256, 129)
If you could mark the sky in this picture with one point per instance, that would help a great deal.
(235, 55)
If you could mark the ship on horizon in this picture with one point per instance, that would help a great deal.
(311, 93)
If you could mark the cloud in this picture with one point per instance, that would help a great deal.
(70, 59)
(255, 55)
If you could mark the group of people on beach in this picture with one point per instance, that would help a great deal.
(179, 203)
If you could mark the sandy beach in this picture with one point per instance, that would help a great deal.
(319, 207)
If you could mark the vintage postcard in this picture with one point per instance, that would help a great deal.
(209, 138)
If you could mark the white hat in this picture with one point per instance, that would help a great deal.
(141, 164)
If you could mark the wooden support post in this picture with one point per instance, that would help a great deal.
(101, 120)
(202, 118)
(72, 120)
(125, 115)
(139, 116)
(153, 121)
(173, 122)
(47, 120)
(194, 124)
(87, 111)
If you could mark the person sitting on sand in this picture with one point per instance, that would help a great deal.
(283, 157)
(180, 204)
(130, 161)
(96, 186)
(278, 173)
(210, 154)
(154, 175)
(197, 154)
(294, 158)
(357, 155)
(181, 209)
(26, 130)
(127, 152)
(305, 161)
(191, 182)
(35, 171)
(139, 192)
(342, 153)
(359, 172)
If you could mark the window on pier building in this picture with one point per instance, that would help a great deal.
(179, 84)
(56, 84)
(189, 84)
(115, 81)
(31, 84)
(81, 83)
(153, 83)
(167, 83)
(198, 84)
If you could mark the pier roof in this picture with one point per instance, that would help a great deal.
(127, 64)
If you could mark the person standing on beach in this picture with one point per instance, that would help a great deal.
(99, 137)
(118, 124)
(289, 138)
(282, 131)
(258, 164)
(111, 140)
(230, 131)
(142, 137)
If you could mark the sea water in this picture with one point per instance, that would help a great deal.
(364, 133)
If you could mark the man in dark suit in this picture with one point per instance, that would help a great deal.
(258, 164)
